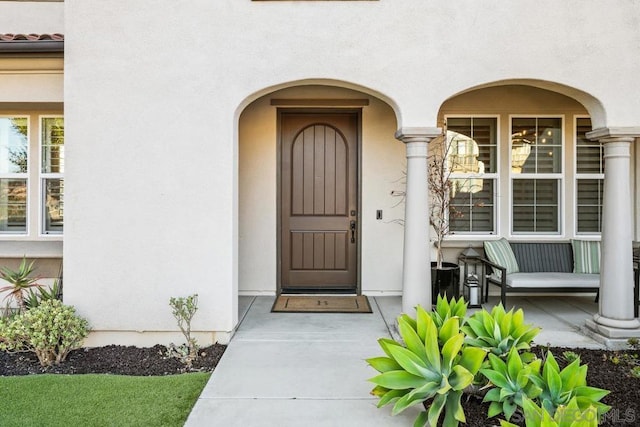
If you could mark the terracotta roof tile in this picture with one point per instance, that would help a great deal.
(31, 37)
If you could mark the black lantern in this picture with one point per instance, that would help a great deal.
(472, 286)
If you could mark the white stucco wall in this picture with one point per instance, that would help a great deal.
(31, 17)
(154, 90)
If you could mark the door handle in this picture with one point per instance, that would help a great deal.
(352, 227)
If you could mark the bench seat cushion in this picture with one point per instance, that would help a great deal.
(545, 280)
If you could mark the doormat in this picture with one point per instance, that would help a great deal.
(321, 304)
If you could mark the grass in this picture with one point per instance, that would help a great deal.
(98, 400)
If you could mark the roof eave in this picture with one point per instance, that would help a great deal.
(31, 46)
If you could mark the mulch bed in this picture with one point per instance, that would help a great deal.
(624, 397)
(602, 373)
(113, 359)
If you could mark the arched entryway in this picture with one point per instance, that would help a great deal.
(317, 167)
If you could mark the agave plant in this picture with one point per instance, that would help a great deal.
(20, 281)
(33, 299)
(565, 416)
(499, 331)
(445, 310)
(433, 366)
(559, 387)
(512, 383)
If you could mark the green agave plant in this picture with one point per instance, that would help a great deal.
(499, 331)
(512, 383)
(434, 364)
(445, 310)
(565, 416)
(559, 387)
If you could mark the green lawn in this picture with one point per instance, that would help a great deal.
(98, 400)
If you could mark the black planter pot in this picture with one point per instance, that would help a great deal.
(445, 281)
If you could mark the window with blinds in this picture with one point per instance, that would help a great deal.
(589, 179)
(14, 174)
(536, 174)
(472, 160)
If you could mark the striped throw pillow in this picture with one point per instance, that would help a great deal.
(586, 256)
(500, 252)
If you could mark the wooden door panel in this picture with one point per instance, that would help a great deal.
(319, 200)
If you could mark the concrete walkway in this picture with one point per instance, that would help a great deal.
(295, 369)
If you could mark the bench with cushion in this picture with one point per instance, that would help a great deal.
(530, 267)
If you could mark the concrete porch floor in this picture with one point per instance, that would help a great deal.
(292, 369)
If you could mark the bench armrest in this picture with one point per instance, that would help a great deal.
(494, 266)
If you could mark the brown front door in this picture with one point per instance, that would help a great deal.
(318, 187)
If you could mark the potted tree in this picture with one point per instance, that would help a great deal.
(445, 276)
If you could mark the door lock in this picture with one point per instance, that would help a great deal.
(352, 227)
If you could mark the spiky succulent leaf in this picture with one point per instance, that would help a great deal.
(383, 364)
(514, 363)
(411, 339)
(448, 329)
(379, 391)
(421, 420)
(391, 396)
(409, 361)
(460, 378)
(398, 380)
(386, 343)
(454, 414)
(437, 405)
(431, 346)
(472, 358)
(415, 397)
(450, 350)
(422, 322)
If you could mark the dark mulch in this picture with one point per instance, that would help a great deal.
(624, 397)
(113, 359)
(602, 373)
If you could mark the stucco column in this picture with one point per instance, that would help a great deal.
(615, 310)
(416, 266)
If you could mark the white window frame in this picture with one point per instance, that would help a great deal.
(560, 177)
(577, 175)
(495, 176)
(42, 176)
(7, 235)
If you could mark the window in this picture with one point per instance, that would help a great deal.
(14, 169)
(51, 174)
(589, 179)
(536, 174)
(23, 140)
(472, 160)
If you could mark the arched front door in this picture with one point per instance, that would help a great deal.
(319, 196)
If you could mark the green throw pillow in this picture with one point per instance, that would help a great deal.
(500, 252)
(586, 256)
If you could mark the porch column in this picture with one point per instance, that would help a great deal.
(416, 266)
(615, 317)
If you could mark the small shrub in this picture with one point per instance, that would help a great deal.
(50, 330)
(184, 309)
